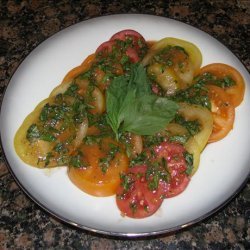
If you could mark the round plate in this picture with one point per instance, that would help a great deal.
(224, 165)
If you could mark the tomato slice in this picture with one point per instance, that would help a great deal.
(192, 50)
(222, 71)
(72, 74)
(173, 153)
(193, 112)
(134, 198)
(133, 55)
(105, 47)
(115, 56)
(177, 185)
(172, 63)
(122, 35)
(223, 113)
(136, 44)
(101, 174)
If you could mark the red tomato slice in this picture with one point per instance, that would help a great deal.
(138, 44)
(134, 197)
(138, 201)
(133, 55)
(177, 185)
(173, 153)
(105, 47)
(122, 35)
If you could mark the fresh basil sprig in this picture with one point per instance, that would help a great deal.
(131, 106)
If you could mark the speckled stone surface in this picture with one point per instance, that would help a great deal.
(25, 24)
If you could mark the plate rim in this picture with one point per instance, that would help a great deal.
(121, 234)
(96, 230)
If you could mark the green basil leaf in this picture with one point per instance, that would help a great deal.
(149, 115)
(131, 106)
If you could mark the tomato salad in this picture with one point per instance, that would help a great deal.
(133, 119)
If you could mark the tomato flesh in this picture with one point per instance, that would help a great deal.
(136, 44)
(172, 63)
(139, 201)
(115, 56)
(173, 153)
(93, 178)
(105, 47)
(136, 198)
(121, 35)
(223, 113)
(220, 71)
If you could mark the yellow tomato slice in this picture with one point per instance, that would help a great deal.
(191, 145)
(30, 153)
(179, 62)
(220, 71)
(193, 148)
(205, 119)
(193, 51)
(97, 102)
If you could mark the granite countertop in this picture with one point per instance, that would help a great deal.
(25, 24)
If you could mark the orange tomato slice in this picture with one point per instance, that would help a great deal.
(223, 113)
(73, 73)
(86, 64)
(92, 179)
(220, 70)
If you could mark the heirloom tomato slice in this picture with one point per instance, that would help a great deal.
(97, 168)
(134, 197)
(174, 156)
(228, 78)
(192, 112)
(134, 42)
(172, 63)
(144, 187)
(223, 113)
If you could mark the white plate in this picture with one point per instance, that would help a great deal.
(224, 165)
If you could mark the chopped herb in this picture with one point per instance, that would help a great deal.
(189, 160)
(72, 89)
(124, 59)
(193, 127)
(133, 207)
(104, 162)
(85, 75)
(154, 182)
(225, 82)
(146, 208)
(60, 148)
(126, 181)
(92, 139)
(156, 172)
(45, 112)
(76, 161)
(63, 160)
(48, 137)
(209, 78)
(48, 157)
(33, 133)
(195, 94)
(139, 159)
(151, 140)
(182, 139)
